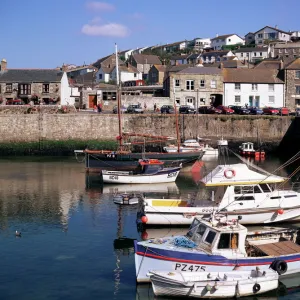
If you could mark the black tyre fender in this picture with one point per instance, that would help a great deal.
(280, 266)
(256, 288)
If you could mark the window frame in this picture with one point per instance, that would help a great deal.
(46, 88)
(235, 99)
(202, 83)
(190, 85)
(177, 82)
(213, 84)
(8, 88)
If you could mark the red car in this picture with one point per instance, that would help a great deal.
(284, 111)
(225, 109)
(270, 111)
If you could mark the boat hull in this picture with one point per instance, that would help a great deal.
(149, 259)
(165, 176)
(96, 162)
(199, 286)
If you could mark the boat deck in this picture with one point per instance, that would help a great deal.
(279, 248)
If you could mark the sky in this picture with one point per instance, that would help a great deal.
(47, 34)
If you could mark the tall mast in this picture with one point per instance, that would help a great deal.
(119, 100)
(176, 118)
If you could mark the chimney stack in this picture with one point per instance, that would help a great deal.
(217, 35)
(3, 65)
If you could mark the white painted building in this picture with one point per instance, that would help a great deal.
(254, 87)
(252, 54)
(103, 74)
(202, 43)
(126, 74)
(271, 34)
(65, 91)
(225, 40)
(216, 56)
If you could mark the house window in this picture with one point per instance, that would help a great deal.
(45, 88)
(260, 53)
(190, 85)
(177, 100)
(237, 99)
(297, 75)
(24, 89)
(272, 99)
(177, 82)
(298, 89)
(213, 84)
(260, 35)
(202, 100)
(8, 88)
(254, 53)
(229, 40)
(134, 75)
(279, 51)
(254, 87)
(242, 54)
(100, 76)
(271, 87)
(202, 83)
(237, 86)
(190, 101)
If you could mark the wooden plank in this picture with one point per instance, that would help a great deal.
(279, 248)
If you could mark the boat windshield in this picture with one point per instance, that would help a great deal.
(151, 169)
(196, 231)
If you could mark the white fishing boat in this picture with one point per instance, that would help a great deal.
(148, 171)
(238, 192)
(207, 285)
(216, 244)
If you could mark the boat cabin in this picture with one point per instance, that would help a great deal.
(226, 239)
(247, 147)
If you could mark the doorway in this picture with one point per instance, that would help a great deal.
(92, 101)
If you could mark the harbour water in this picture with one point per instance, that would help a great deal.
(70, 231)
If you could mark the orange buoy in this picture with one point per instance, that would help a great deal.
(144, 219)
(280, 211)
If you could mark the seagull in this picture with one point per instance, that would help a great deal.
(18, 234)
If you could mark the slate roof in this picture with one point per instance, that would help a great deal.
(85, 79)
(178, 57)
(251, 49)
(269, 64)
(30, 75)
(273, 29)
(178, 68)
(294, 65)
(224, 36)
(146, 59)
(107, 70)
(214, 53)
(128, 69)
(251, 76)
(201, 71)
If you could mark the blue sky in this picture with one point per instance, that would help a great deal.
(46, 34)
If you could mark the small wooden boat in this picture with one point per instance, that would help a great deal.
(213, 284)
(148, 171)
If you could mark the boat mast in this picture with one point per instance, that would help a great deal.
(119, 100)
(176, 118)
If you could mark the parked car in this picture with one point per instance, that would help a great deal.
(167, 109)
(295, 112)
(214, 110)
(186, 109)
(134, 109)
(240, 110)
(255, 110)
(115, 109)
(283, 111)
(14, 102)
(203, 109)
(270, 111)
(225, 109)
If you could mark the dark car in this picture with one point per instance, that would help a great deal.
(214, 110)
(134, 109)
(255, 111)
(203, 109)
(167, 109)
(115, 109)
(240, 110)
(225, 109)
(270, 111)
(186, 109)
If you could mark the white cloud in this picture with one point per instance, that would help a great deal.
(110, 29)
(100, 6)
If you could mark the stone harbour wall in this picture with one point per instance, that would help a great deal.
(83, 127)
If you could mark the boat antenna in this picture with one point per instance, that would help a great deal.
(119, 100)
(176, 118)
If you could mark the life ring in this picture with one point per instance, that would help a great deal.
(256, 288)
(280, 266)
(229, 173)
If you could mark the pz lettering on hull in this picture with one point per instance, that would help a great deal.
(189, 268)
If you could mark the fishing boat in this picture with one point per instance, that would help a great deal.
(247, 149)
(123, 158)
(216, 285)
(215, 244)
(149, 171)
(237, 191)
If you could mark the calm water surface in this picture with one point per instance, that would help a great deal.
(69, 224)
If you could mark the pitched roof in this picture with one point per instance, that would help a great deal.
(161, 68)
(128, 69)
(80, 68)
(177, 68)
(31, 75)
(85, 79)
(173, 44)
(215, 53)
(178, 57)
(201, 70)
(269, 64)
(224, 36)
(146, 59)
(251, 49)
(97, 64)
(107, 70)
(251, 76)
(294, 65)
(273, 29)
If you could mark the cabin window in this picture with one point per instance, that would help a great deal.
(247, 189)
(290, 196)
(265, 188)
(201, 229)
(275, 197)
(257, 189)
(210, 237)
(228, 241)
(244, 198)
(193, 228)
